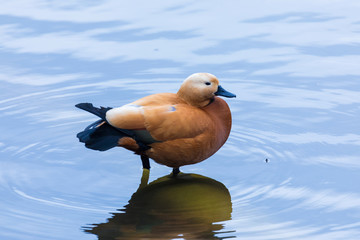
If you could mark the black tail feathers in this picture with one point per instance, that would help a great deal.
(100, 136)
(100, 112)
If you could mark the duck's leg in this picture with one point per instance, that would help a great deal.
(146, 171)
(145, 161)
(175, 172)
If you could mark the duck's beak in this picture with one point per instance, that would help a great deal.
(222, 92)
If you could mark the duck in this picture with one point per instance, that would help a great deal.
(173, 129)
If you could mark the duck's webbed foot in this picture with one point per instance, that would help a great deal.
(175, 172)
(145, 161)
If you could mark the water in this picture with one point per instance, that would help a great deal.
(294, 67)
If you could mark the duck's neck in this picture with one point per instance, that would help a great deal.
(193, 99)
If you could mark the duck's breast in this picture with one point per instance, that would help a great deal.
(220, 114)
(195, 135)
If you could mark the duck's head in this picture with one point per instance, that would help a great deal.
(200, 88)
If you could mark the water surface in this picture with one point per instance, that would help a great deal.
(294, 67)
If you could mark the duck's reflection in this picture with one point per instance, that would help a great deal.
(188, 207)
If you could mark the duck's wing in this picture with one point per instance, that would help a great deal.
(131, 116)
(175, 121)
(102, 136)
(166, 122)
(163, 116)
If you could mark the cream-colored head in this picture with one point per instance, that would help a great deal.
(199, 88)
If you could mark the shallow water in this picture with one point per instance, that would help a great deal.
(293, 66)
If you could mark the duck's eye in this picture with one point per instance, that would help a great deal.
(208, 83)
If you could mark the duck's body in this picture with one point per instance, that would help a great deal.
(172, 129)
(180, 140)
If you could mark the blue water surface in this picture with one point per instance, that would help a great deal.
(291, 164)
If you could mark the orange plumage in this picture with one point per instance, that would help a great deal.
(172, 129)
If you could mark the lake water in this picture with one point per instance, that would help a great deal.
(290, 169)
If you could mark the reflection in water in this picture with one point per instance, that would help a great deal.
(188, 207)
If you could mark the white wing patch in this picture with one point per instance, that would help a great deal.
(126, 110)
